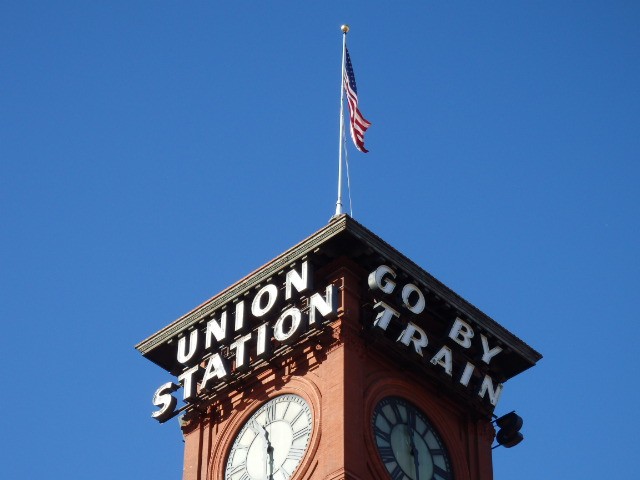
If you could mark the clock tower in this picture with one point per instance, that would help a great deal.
(339, 359)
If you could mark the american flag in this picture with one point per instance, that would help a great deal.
(358, 124)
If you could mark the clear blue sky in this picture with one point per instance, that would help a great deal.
(152, 153)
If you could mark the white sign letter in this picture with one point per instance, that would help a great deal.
(256, 308)
(487, 387)
(163, 399)
(461, 333)
(183, 355)
(408, 336)
(238, 346)
(466, 375)
(215, 368)
(263, 345)
(377, 280)
(327, 307)
(239, 316)
(215, 329)
(278, 329)
(418, 306)
(384, 317)
(301, 283)
(488, 354)
(187, 383)
(444, 359)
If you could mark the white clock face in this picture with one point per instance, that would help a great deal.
(409, 446)
(272, 443)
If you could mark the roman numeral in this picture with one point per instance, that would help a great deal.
(237, 469)
(295, 419)
(397, 473)
(242, 448)
(295, 454)
(386, 419)
(386, 453)
(271, 413)
(441, 473)
(284, 472)
(284, 415)
(411, 418)
(396, 412)
(301, 433)
(382, 435)
(255, 427)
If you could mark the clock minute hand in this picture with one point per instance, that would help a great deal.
(414, 452)
(269, 454)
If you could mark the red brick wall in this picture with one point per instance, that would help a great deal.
(342, 379)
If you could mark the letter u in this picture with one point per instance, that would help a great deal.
(183, 355)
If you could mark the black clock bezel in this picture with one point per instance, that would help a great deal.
(385, 453)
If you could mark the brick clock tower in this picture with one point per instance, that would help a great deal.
(339, 359)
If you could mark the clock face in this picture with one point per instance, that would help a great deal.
(272, 442)
(408, 445)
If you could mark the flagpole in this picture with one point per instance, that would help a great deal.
(345, 29)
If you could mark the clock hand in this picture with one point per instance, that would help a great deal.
(414, 452)
(268, 454)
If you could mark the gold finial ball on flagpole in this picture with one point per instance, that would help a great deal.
(344, 28)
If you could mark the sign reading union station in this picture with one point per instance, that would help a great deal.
(290, 302)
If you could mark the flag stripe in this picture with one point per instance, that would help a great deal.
(357, 123)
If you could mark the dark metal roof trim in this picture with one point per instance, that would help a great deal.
(337, 226)
(466, 308)
(246, 284)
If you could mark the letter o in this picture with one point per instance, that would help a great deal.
(272, 292)
(296, 319)
(417, 306)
